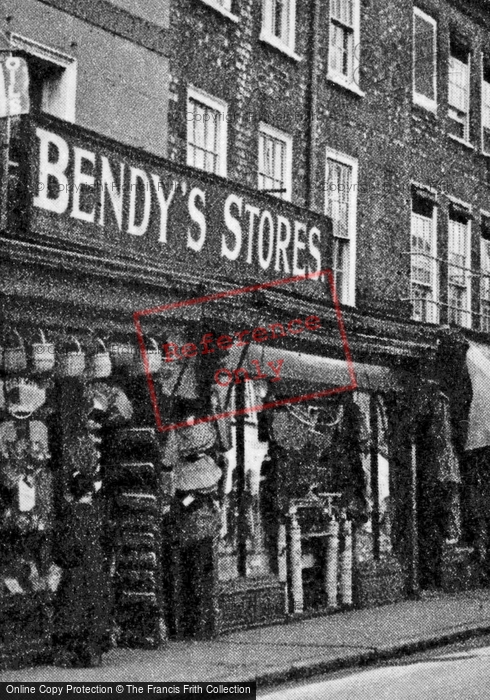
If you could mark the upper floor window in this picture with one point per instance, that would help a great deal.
(459, 273)
(486, 107)
(344, 47)
(206, 132)
(459, 91)
(485, 274)
(279, 20)
(424, 60)
(52, 78)
(340, 206)
(423, 252)
(275, 161)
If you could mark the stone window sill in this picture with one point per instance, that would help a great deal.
(348, 85)
(280, 45)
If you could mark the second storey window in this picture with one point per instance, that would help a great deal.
(424, 60)
(486, 107)
(275, 160)
(459, 91)
(485, 275)
(340, 206)
(206, 133)
(53, 78)
(279, 21)
(459, 274)
(344, 39)
(424, 283)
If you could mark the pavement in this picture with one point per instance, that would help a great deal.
(298, 649)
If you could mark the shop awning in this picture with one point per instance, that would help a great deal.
(322, 372)
(478, 363)
(311, 372)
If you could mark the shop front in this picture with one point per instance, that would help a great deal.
(96, 232)
(301, 497)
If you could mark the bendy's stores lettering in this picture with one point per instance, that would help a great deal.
(88, 187)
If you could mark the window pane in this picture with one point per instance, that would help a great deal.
(272, 164)
(458, 84)
(424, 54)
(338, 194)
(341, 268)
(423, 264)
(457, 274)
(343, 11)
(203, 146)
(342, 50)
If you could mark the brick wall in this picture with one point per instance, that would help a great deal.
(394, 141)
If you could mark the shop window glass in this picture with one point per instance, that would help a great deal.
(373, 536)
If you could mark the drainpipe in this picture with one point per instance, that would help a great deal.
(313, 105)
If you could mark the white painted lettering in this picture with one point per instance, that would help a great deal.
(164, 203)
(54, 170)
(233, 225)
(115, 193)
(138, 175)
(80, 178)
(198, 217)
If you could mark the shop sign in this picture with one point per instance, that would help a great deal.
(93, 192)
(14, 87)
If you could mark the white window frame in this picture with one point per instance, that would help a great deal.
(223, 7)
(219, 106)
(466, 121)
(484, 243)
(352, 83)
(288, 45)
(435, 303)
(287, 139)
(467, 272)
(418, 97)
(342, 158)
(483, 115)
(68, 82)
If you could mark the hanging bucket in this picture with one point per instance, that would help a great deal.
(71, 361)
(122, 354)
(99, 363)
(42, 354)
(153, 355)
(14, 356)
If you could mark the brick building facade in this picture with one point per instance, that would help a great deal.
(202, 145)
(386, 136)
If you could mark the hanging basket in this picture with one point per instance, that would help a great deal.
(14, 357)
(71, 361)
(154, 357)
(42, 354)
(99, 363)
(122, 354)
